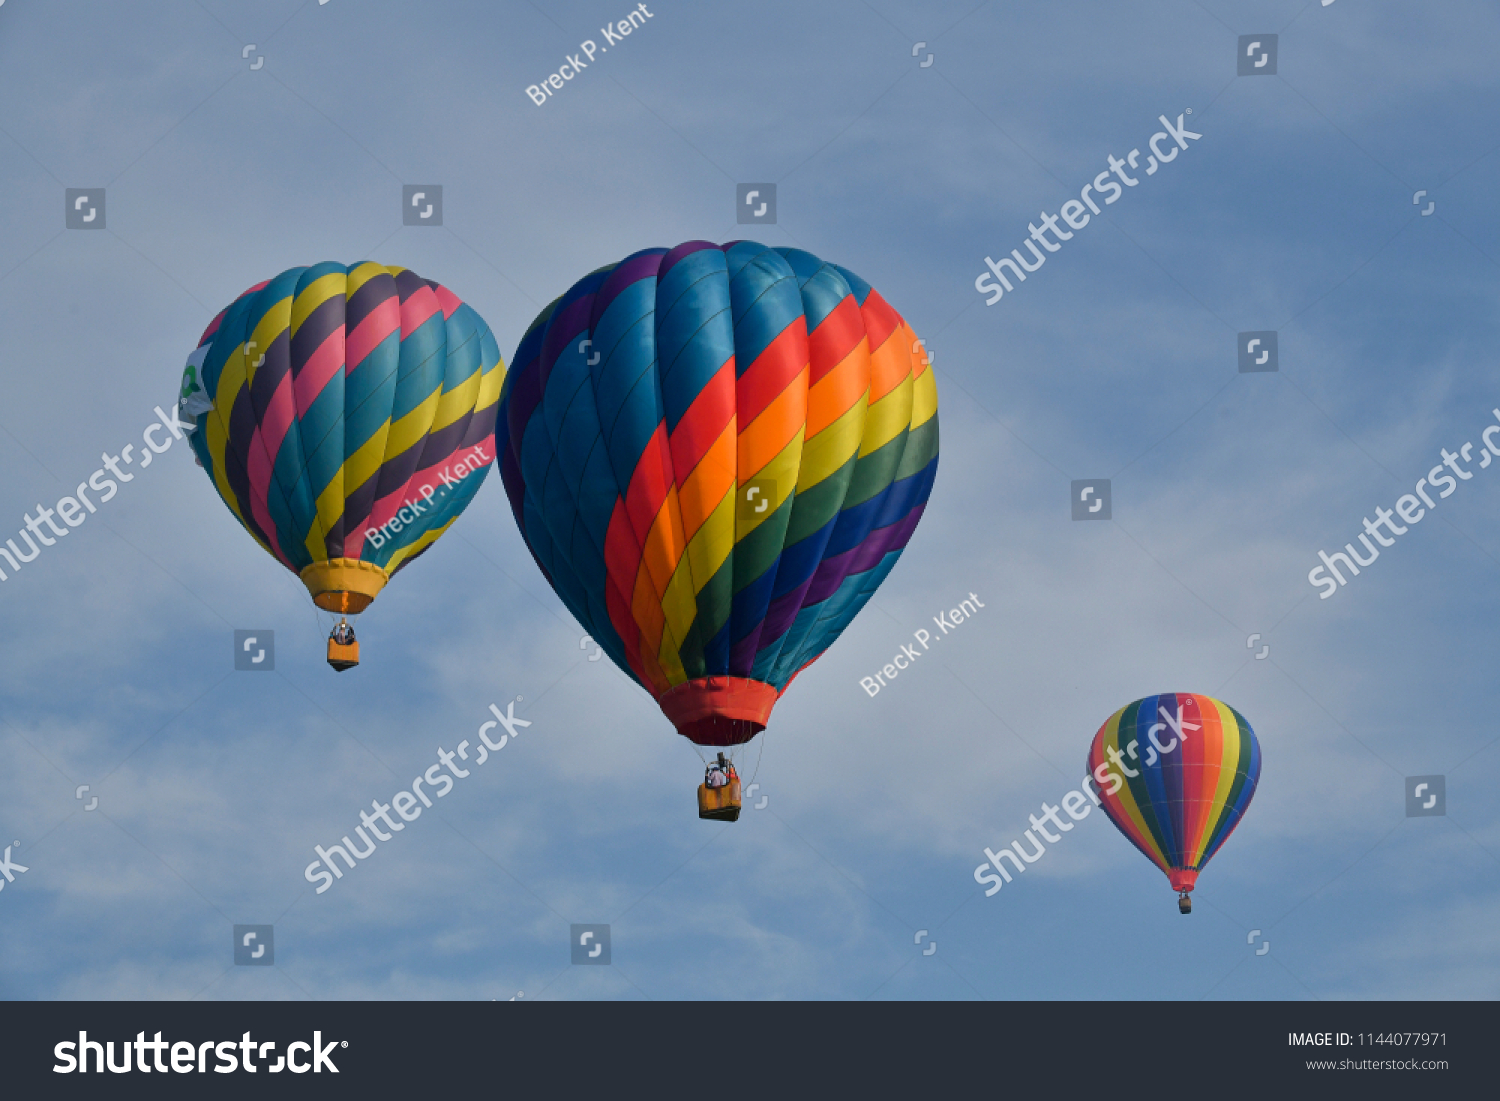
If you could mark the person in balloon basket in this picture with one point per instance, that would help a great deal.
(343, 634)
(719, 773)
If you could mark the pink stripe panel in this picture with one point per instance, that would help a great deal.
(420, 305)
(381, 322)
(448, 300)
(264, 444)
(321, 366)
(483, 453)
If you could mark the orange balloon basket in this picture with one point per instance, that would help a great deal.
(719, 711)
(343, 655)
(720, 804)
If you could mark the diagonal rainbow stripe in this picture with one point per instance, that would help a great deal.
(716, 454)
(1176, 788)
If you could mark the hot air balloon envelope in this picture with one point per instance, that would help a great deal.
(1176, 773)
(716, 453)
(346, 417)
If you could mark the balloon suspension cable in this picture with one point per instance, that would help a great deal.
(759, 754)
(327, 620)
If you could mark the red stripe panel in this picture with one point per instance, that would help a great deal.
(836, 336)
(624, 625)
(622, 556)
(704, 421)
(880, 319)
(650, 483)
(772, 372)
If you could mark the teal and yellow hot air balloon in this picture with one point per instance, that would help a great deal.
(1176, 773)
(716, 453)
(346, 416)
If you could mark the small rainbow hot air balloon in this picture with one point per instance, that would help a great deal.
(345, 415)
(1176, 773)
(716, 453)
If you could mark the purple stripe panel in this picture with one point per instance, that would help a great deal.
(643, 265)
(563, 328)
(682, 251)
(832, 571)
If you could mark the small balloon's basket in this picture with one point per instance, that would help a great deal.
(343, 655)
(1184, 903)
(720, 804)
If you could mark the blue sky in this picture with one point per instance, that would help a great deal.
(1293, 213)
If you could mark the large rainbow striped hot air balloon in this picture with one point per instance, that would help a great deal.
(346, 416)
(716, 453)
(1176, 773)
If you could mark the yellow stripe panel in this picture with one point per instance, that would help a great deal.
(923, 399)
(887, 418)
(711, 544)
(679, 604)
(313, 295)
(784, 469)
(670, 660)
(330, 508)
(1127, 801)
(457, 402)
(364, 464)
(362, 274)
(1228, 760)
(409, 430)
(231, 383)
(490, 384)
(272, 325)
(832, 447)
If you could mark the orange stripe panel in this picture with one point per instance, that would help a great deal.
(767, 437)
(834, 394)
